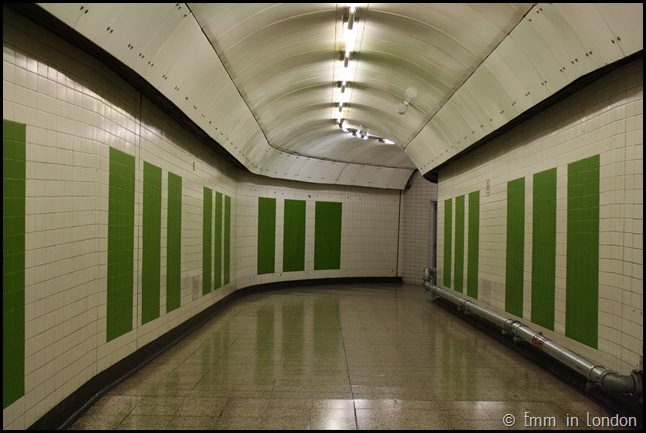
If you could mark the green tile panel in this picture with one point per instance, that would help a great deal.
(13, 261)
(266, 235)
(448, 239)
(294, 236)
(474, 244)
(174, 241)
(327, 235)
(151, 244)
(544, 248)
(458, 269)
(582, 275)
(121, 225)
(227, 240)
(217, 243)
(207, 223)
(515, 260)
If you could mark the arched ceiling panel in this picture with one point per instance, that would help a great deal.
(321, 171)
(235, 23)
(363, 176)
(490, 92)
(276, 85)
(587, 28)
(468, 104)
(626, 22)
(423, 35)
(132, 34)
(310, 35)
(167, 72)
(552, 50)
(98, 20)
(261, 78)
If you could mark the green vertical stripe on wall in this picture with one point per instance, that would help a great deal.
(13, 261)
(207, 222)
(151, 255)
(294, 236)
(582, 275)
(121, 238)
(227, 239)
(515, 247)
(266, 235)
(174, 239)
(448, 240)
(473, 252)
(458, 279)
(544, 248)
(217, 240)
(327, 235)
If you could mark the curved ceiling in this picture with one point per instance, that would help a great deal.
(425, 81)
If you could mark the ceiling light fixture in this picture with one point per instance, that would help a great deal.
(361, 133)
(344, 75)
(343, 71)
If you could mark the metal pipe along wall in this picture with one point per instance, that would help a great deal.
(609, 381)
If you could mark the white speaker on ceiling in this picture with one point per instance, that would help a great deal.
(410, 94)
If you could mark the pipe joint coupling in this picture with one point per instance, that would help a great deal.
(427, 274)
(507, 324)
(514, 326)
(465, 306)
(595, 375)
(631, 385)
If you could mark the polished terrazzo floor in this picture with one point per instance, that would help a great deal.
(351, 357)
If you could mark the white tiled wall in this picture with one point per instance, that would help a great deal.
(75, 109)
(606, 119)
(369, 229)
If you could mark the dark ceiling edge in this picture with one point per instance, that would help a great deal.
(35, 13)
(578, 84)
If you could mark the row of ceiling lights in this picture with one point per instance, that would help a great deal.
(344, 74)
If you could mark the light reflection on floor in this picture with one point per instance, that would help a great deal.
(342, 357)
